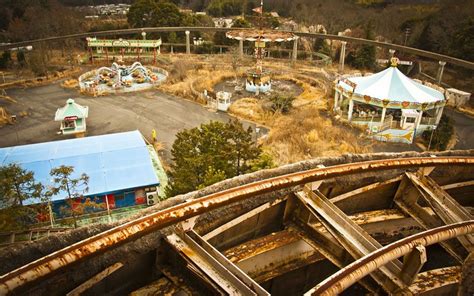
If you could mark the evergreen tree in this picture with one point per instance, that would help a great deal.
(462, 45)
(365, 56)
(155, 13)
(211, 153)
(427, 41)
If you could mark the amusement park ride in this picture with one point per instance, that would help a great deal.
(121, 78)
(258, 79)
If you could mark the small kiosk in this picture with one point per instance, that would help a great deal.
(73, 118)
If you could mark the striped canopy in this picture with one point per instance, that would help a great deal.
(392, 85)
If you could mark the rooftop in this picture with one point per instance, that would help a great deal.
(113, 162)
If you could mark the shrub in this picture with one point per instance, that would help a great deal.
(282, 103)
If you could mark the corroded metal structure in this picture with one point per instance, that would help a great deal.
(358, 218)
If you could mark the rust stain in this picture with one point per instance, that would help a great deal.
(175, 214)
(260, 245)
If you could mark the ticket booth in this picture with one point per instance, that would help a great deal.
(72, 117)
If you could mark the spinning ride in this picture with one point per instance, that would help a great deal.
(258, 79)
(121, 78)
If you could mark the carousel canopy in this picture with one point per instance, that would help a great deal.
(392, 85)
(71, 109)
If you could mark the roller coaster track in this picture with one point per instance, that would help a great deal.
(350, 274)
(139, 227)
(401, 48)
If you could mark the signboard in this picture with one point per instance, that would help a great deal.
(70, 118)
(123, 43)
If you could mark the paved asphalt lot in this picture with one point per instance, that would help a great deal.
(108, 114)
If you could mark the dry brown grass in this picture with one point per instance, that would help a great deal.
(70, 83)
(195, 81)
(4, 116)
(304, 134)
(251, 109)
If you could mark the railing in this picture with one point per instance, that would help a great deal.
(7, 238)
(428, 121)
(387, 123)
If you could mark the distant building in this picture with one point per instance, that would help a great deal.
(121, 168)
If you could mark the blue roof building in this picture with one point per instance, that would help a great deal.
(117, 165)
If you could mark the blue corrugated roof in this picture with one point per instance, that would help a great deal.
(113, 162)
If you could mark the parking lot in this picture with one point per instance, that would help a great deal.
(141, 111)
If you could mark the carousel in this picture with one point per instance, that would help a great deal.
(391, 106)
(258, 79)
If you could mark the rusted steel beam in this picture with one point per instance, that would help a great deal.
(352, 237)
(406, 198)
(355, 271)
(141, 226)
(227, 264)
(458, 185)
(213, 271)
(441, 281)
(412, 264)
(361, 190)
(242, 218)
(446, 207)
(270, 256)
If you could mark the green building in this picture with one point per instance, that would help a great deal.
(123, 49)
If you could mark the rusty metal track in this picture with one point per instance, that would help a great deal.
(139, 227)
(355, 271)
(401, 48)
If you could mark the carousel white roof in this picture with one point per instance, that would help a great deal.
(393, 85)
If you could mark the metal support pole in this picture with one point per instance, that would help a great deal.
(188, 42)
(351, 109)
(412, 264)
(342, 56)
(241, 49)
(440, 71)
(51, 217)
(384, 111)
(295, 49)
(108, 208)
